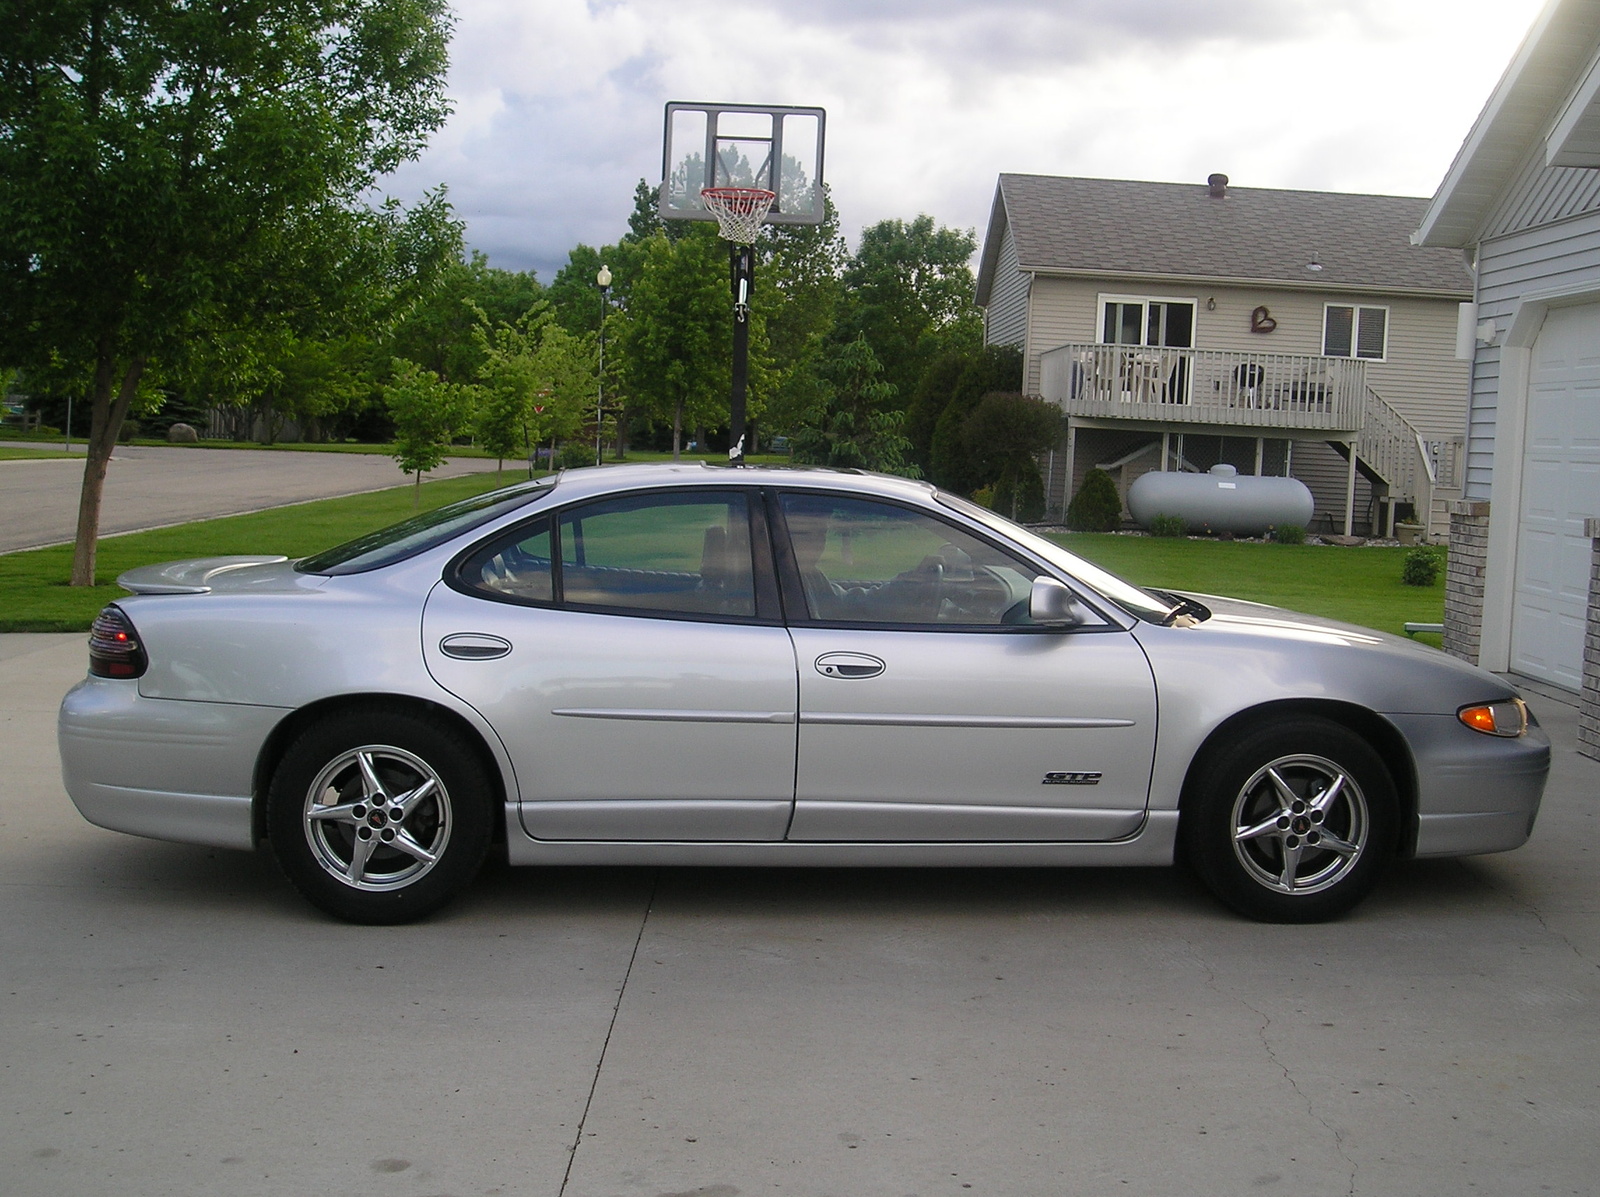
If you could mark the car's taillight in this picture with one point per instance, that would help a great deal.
(114, 648)
(1509, 718)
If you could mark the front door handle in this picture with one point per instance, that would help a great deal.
(474, 646)
(849, 665)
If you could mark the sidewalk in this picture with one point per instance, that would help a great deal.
(151, 487)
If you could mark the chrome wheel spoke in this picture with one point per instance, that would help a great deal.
(1330, 795)
(404, 841)
(1334, 844)
(1291, 866)
(1286, 796)
(360, 853)
(339, 812)
(371, 786)
(409, 800)
(1266, 827)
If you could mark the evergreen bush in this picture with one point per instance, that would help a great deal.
(1168, 525)
(1096, 507)
(1289, 534)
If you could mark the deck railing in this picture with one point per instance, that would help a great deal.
(1204, 386)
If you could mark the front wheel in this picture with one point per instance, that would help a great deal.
(1293, 823)
(379, 817)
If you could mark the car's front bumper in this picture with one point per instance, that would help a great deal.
(1475, 793)
(163, 768)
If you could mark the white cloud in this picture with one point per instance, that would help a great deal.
(559, 102)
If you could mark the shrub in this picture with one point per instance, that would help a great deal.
(1421, 567)
(1289, 534)
(574, 455)
(1096, 507)
(1168, 525)
(984, 497)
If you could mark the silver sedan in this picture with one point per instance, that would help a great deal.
(691, 665)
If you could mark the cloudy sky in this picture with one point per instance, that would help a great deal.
(559, 102)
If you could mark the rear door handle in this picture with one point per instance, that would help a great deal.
(848, 665)
(474, 646)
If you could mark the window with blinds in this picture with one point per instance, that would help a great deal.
(1350, 331)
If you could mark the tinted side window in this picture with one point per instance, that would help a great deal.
(867, 562)
(687, 553)
(518, 567)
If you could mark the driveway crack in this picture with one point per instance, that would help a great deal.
(599, 1065)
(1288, 1076)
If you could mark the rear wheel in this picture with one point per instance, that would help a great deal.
(1293, 823)
(379, 817)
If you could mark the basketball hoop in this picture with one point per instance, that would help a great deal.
(739, 211)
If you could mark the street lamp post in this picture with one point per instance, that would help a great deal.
(603, 281)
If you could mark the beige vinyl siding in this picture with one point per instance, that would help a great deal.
(1420, 376)
(1005, 320)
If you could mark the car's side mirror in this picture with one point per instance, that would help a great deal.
(1051, 603)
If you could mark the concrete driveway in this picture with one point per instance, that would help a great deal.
(173, 1020)
(150, 487)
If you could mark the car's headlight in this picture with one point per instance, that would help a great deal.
(1508, 718)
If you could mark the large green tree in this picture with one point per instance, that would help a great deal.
(910, 292)
(171, 170)
(857, 425)
(798, 292)
(537, 383)
(675, 337)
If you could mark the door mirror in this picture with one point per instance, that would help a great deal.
(1052, 604)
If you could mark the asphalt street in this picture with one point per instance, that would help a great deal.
(150, 487)
(174, 1020)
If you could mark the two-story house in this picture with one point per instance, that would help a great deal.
(1283, 332)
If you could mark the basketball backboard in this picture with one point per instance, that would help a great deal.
(774, 148)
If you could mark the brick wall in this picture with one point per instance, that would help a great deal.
(1463, 579)
(1589, 700)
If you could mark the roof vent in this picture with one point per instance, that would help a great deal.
(1218, 185)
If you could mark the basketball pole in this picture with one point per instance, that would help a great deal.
(742, 268)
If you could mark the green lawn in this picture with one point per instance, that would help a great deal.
(17, 453)
(1360, 585)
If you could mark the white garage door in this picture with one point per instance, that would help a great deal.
(1560, 487)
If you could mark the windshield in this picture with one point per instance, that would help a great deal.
(420, 532)
(1145, 604)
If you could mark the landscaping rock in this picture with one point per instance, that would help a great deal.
(182, 434)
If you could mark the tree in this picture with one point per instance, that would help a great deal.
(911, 293)
(172, 170)
(1004, 435)
(537, 382)
(675, 336)
(428, 414)
(438, 331)
(857, 426)
(798, 292)
(993, 368)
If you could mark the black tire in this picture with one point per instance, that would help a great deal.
(391, 861)
(1293, 823)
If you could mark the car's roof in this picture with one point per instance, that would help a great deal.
(606, 478)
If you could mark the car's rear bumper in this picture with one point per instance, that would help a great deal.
(163, 768)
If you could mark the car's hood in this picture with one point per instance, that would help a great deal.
(1252, 644)
(1240, 615)
(204, 575)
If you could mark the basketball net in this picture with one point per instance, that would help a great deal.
(739, 211)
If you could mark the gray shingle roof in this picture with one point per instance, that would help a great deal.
(1118, 226)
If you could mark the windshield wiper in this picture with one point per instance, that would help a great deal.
(1181, 607)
